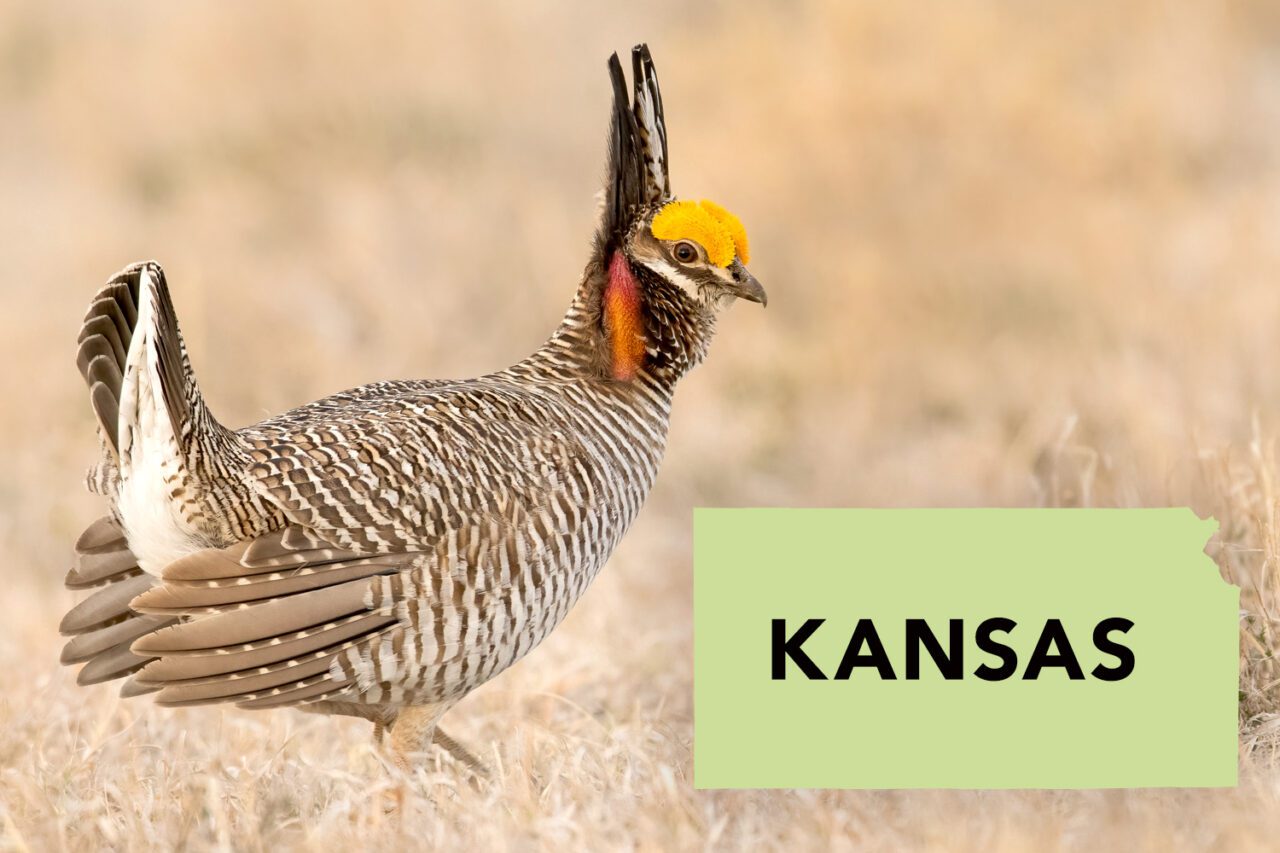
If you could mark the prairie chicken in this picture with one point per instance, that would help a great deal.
(384, 551)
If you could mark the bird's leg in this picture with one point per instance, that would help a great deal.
(461, 753)
(412, 733)
(416, 728)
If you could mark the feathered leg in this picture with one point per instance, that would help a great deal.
(412, 733)
(416, 729)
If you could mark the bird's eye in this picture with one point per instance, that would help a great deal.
(685, 253)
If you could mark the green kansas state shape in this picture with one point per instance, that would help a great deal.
(984, 648)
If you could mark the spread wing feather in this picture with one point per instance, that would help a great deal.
(270, 634)
(329, 636)
(253, 621)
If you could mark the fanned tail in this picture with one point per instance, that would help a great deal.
(108, 354)
(103, 353)
(103, 626)
(132, 357)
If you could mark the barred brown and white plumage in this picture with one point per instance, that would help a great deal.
(384, 551)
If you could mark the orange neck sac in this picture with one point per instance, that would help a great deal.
(623, 319)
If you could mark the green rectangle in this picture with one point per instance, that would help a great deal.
(1170, 723)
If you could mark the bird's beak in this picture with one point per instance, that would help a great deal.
(745, 285)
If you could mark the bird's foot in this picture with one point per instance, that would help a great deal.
(414, 731)
(461, 754)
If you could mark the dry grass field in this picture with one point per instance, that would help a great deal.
(1017, 254)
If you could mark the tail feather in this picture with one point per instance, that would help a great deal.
(106, 371)
(181, 394)
(103, 534)
(102, 556)
(119, 309)
(90, 644)
(132, 357)
(104, 327)
(103, 626)
(106, 604)
(103, 353)
(107, 345)
(93, 349)
(178, 389)
(106, 408)
(114, 663)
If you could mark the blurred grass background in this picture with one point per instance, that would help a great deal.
(1017, 254)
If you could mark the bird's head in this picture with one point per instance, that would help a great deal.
(665, 267)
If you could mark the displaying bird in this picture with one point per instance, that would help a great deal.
(384, 551)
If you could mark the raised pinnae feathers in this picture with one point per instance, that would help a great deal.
(650, 123)
(638, 168)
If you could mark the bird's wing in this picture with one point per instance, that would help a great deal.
(369, 578)
(262, 622)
